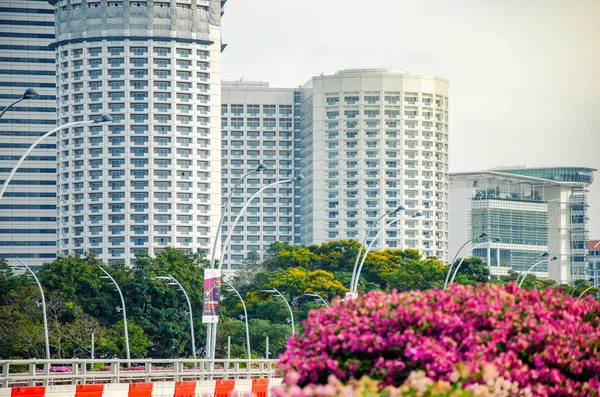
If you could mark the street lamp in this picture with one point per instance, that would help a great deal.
(108, 276)
(482, 235)
(260, 168)
(495, 239)
(354, 287)
(46, 339)
(364, 242)
(173, 281)
(580, 284)
(544, 255)
(211, 334)
(105, 118)
(589, 288)
(315, 295)
(531, 268)
(245, 317)
(29, 93)
(275, 291)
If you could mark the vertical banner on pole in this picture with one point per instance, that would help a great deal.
(212, 296)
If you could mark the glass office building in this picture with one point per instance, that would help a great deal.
(531, 211)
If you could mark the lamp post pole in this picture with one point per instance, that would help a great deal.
(579, 285)
(532, 267)
(103, 119)
(354, 287)
(124, 314)
(46, 338)
(211, 335)
(29, 93)
(463, 259)
(245, 317)
(482, 235)
(173, 281)
(589, 288)
(314, 294)
(276, 291)
(364, 242)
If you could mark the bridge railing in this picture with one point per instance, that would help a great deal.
(83, 371)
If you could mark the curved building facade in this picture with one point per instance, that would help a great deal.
(151, 178)
(371, 140)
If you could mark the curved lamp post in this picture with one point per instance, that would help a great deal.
(589, 288)
(463, 259)
(533, 266)
(211, 334)
(260, 168)
(315, 295)
(124, 312)
(354, 287)
(46, 339)
(275, 291)
(364, 242)
(482, 235)
(544, 255)
(173, 281)
(29, 93)
(579, 285)
(105, 118)
(245, 317)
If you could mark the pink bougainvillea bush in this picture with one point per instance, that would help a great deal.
(543, 341)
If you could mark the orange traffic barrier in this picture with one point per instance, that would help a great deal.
(223, 388)
(140, 390)
(185, 389)
(28, 391)
(260, 387)
(89, 390)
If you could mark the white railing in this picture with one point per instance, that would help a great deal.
(83, 371)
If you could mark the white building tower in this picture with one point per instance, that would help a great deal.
(150, 179)
(373, 139)
(28, 207)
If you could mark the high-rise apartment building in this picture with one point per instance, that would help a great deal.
(28, 208)
(151, 178)
(531, 211)
(371, 140)
(594, 261)
(257, 126)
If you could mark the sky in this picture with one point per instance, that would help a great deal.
(524, 75)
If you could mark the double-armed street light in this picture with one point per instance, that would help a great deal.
(354, 287)
(245, 317)
(29, 93)
(580, 284)
(212, 330)
(482, 235)
(108, 276)
(210, 326)
(364, 242)
(172, 281)
(276, 292)
(525, 273)
(589, 288)
(46, 338)
(103, 119)
(494, 239)
(315, 295)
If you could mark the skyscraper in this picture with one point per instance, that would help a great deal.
(28, 208)
(257, 127)
(371, 140)
(151, 178)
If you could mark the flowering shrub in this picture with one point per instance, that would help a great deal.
(543, 341)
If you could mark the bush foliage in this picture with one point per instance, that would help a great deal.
(544, 341)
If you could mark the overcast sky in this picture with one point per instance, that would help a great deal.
(524, 75)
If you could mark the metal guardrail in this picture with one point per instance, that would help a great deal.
(83, 371)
